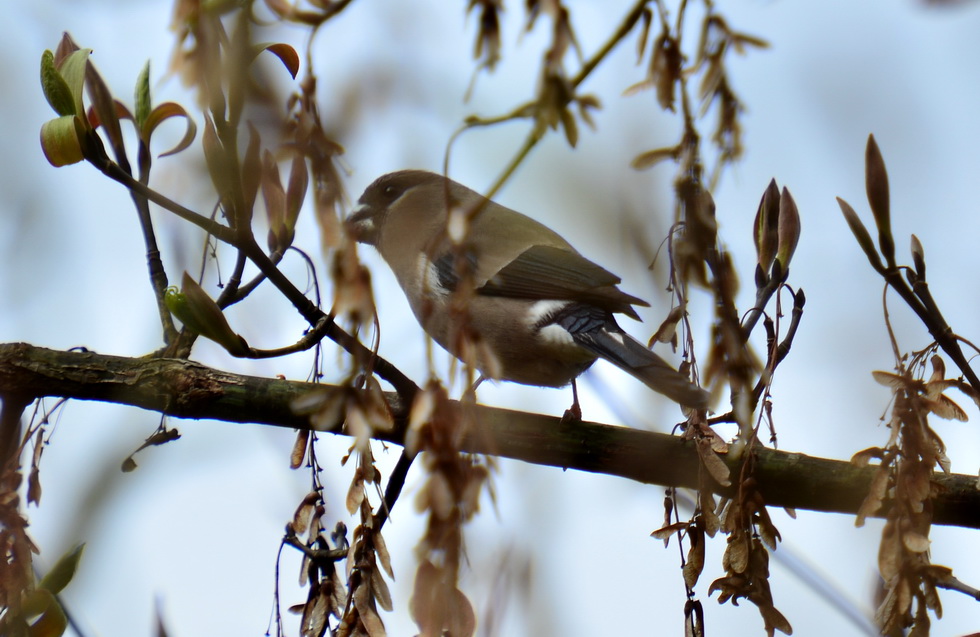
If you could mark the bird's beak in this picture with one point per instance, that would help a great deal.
(360, 224)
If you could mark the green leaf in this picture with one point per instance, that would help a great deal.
(53, 621)
(55, 88)
(199, 313)
(73, 72)
(142, 97)
(63, 571)
(60, 141)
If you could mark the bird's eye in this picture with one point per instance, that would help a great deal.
(389, 190)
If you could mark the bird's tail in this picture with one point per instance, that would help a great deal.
(622, 350)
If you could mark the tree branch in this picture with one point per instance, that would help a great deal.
(186, 389)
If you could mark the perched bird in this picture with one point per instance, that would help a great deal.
(478, 273)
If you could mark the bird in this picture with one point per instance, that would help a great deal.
(478, 273)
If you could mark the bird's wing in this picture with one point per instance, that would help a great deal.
(549, 272)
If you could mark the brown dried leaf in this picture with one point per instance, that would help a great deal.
(380, 590)
(915, 542)
(315, 613)
(358, 426)
(378, 412)
(34, 479)
(889, 379)
(217, 161)
(286, 54)
(890, 552)
(710, 520)
(488, 36)
(34, 486)
(712, 79)
(251, 169)
(917, 480)
(935, 387)
(328, 414)
(729, 586)
(768, 532)
(469, 500)
(299, 449)
(299, 182)
(774, 620)
(369, 617)
(695, 557)
(876, 495)
(646, 18)
(436, 497)
(664, 533)
(426, 578)
(571, 128)
(741, 40)
(353, 296)
(718, 444)
(636, 88)
(943, 461)
(338, 594)
(275, 199)
(665, 68)
(355, 494)
(381, 549)
(736, 556)
(301, 517)
(164, 112)
(938, 369)
(714, 465)
(885, 614)
(865, 456)
(668, 329)
(945, 408)
(462, 618)
(653, 157)
(331, 228)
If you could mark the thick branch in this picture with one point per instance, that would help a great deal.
(186, 389)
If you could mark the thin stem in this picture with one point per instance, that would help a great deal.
(219, 231)
(935, 323)
(628, 23)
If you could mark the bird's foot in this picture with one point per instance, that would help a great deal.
(572, 415)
